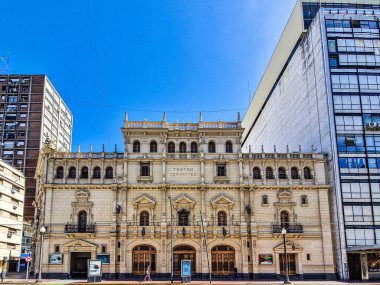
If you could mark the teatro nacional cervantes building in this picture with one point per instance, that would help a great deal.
(186, 189)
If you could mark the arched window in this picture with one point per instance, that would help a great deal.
(284, 219)
(194, 147)
(222, 218)
(109, 172)
(60, 172)
(82, 221)
(256, 173)
(182, 147)
(96, 174)
(153, 146)
(136, 146)
(281, 173)
(84, 172)
(144, 218)
(72, 172)
(211, 147)
(307, 173)
(294, 173)
(269, 173)
(171, 147)
(228, 147)
(183, 217)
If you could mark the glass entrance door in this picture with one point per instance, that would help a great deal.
(183, 253)
(291, 264)
(143, 256)
(222, 260)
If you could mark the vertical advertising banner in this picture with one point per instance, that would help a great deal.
(94, 267)
(186, 268)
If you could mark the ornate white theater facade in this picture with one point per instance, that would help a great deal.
(172, 178)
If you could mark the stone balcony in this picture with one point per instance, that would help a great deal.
(71, 228)
(291, 228)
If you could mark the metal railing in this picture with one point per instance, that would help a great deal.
(70, 228)
(290, 228)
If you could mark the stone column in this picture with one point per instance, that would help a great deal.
(163, 171)
(240, 169)
(163, 205)
(242, 219)
(202, 168)
(125, 169)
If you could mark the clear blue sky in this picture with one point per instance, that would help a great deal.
(143, 57)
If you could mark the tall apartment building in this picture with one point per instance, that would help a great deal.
(31, 111)
(12, 190)
(321, 90)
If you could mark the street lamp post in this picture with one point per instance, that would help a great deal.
(287, 281)
(42, 232)
(171, 238)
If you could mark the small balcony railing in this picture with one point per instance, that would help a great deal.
(290, 228)
(69, 228)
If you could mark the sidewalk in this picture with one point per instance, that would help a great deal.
(81, 282)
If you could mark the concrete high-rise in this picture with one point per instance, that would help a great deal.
(31, 110)
(321, 90)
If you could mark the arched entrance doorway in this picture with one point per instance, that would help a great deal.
(183, 252)
(222, 260)
(142, 256)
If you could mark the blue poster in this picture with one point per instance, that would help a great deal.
(105, 258)
(186, 268)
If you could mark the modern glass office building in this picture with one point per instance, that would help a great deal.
(321, 92)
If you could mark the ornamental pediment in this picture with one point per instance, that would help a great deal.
(183, 200)
(290, 246)
(144, 199)
(222, 199)
(284, 194)
(79, 243)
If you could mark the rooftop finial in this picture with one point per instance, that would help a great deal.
(90, 147)
(200, 117)
(164, 119)
(78, 148)
(103, 148)
(238, 117)
(125, 117)
(115, 147)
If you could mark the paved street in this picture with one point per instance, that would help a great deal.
(70, 281)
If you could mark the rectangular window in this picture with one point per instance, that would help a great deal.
(352, 162)
(332, 45)
(22, 125)
(348, 123)
(56, 248)
(340, 81)
(308, 256)
(145, 169)
(357, 214)
(8, 144)
(356, 192)
(11, 108)
(221, 169)
(23, 115)
(333, 61)
(350, 144)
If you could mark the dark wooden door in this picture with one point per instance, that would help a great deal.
(291, 264)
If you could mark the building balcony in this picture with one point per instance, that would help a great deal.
(145, 179)
(221, 179)
(70, 229)
(290, 228)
